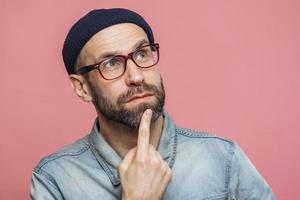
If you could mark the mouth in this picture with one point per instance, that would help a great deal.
(140, 97)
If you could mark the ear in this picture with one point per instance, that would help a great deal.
(80, 87)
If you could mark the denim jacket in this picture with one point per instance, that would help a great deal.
(204, 167)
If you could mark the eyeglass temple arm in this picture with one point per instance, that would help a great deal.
(86, 69)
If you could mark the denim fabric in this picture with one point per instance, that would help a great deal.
(204, 167)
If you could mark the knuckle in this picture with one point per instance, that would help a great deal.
(163, 170)
(121, 168)
(159, 156)
(169, 173)
(153, 151)
(141, 160)
(151, 147)
(142, 128)
(156, 162)
(132, 151)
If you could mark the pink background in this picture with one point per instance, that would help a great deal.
(230, 67)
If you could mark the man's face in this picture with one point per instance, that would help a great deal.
(113, 98)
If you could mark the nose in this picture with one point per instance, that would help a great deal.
(134, 75)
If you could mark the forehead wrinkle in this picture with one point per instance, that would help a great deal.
(106, 54)
(116, 40)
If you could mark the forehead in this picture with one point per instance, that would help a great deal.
(117, 38)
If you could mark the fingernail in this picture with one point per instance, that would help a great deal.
(148, 112)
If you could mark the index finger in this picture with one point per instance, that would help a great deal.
(144, 134)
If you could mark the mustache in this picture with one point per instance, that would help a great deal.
(144, 87)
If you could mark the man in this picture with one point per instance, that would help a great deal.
(134, 150)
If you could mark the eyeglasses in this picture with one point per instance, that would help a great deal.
(113, 67)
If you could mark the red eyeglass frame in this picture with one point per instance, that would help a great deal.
(88, 68)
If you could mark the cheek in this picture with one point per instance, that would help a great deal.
(114, 91)
(153, 77)
(108, 91)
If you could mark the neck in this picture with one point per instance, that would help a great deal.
(123, 138)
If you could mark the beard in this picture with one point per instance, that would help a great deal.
(130, 117)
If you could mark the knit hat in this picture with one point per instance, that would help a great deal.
(93, 22)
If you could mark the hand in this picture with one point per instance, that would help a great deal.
(144, 174)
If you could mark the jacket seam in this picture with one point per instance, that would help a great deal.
(49, 179)
(115, 180)
(196, 134)
(229, 169)
(174, 150)
(57, 156)
(232, 153)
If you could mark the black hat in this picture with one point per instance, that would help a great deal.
(93, 22)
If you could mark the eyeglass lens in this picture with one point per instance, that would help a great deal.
(115, 66)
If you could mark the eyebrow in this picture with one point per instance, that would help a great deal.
(114, 53)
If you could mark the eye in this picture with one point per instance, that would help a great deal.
(111, 64)
(141, 54)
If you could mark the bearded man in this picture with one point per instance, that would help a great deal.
(134, 150)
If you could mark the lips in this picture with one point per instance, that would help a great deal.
(139, 96)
